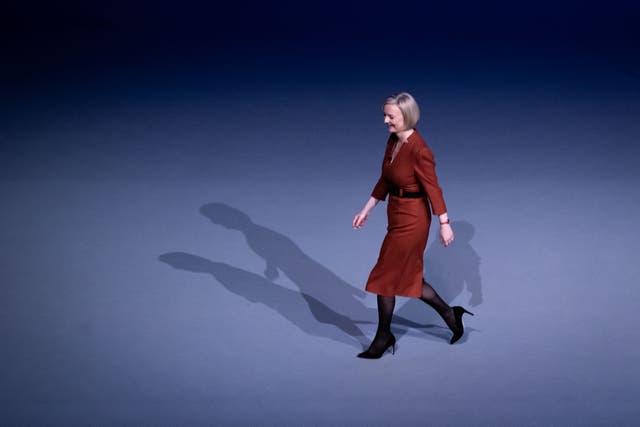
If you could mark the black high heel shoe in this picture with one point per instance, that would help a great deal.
(457, 313)
(369, 354)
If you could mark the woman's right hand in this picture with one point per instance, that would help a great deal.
(360, 218)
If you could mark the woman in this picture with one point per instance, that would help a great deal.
(409, 178)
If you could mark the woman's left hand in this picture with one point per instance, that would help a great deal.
(446, 234)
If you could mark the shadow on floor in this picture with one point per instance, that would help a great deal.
(325, 305)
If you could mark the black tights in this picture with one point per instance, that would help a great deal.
(385, 313)
(431, 297)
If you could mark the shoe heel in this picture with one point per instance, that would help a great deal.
(458, 313)
(369, 354)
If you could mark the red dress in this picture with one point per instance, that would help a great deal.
(400, 263)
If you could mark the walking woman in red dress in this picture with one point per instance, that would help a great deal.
(409, 178)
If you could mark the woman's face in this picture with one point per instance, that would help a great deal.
(393, 118)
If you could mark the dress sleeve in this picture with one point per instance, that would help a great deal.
(425, 171)
(381, 188)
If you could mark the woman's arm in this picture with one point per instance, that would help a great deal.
(379, 193)
(446, 232)
(426, 173)
(361, 217)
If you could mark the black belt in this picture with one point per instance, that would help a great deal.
(399, 192)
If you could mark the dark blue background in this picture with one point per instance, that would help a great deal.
(178, 183)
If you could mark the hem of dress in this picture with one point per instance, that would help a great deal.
(394, 294)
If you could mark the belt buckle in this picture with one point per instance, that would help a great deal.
(400, 192)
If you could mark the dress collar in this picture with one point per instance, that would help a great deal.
(414, 136)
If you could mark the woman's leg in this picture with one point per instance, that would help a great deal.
(383, 338)
(385, 314)
(431, 297)
(451, 315)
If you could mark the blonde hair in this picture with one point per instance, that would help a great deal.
(408, 106)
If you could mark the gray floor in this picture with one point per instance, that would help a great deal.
(211, 276)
